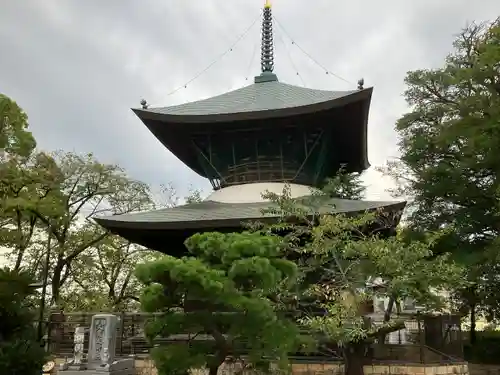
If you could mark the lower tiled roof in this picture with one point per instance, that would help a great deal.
(217, 211)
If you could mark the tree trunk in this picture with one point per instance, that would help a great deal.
(387, 318)
(213, 370)
(44, 291)
(19, 260)
(354, 358)
(56, 283)
(472, 337)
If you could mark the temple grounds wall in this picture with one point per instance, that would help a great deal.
(146, 366)
(480, 369)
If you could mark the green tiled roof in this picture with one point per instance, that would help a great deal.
(210, 211)
(257, 97)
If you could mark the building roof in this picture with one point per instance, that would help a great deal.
(166, 229)
(261, 97)
(219, 214)
(266, 94)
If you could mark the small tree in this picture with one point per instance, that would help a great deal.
(347, 261)
(345, 185)
(20, 352)
(224, 300)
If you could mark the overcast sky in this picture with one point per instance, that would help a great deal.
(78, 66)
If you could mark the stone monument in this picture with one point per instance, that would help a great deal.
(77, 363)
(101, 354)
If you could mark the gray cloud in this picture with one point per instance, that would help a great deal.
(78, 66)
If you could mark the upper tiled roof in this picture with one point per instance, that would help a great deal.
(257, 97)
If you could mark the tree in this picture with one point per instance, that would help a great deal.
(169, 197)
(344, 264)
(47, 202)
(223, 299)
(83, 187)
(104, 277)
(17, 161)
(194, 196)
(24, 184)
(362, 267)
(15, 139)
(344, 186)
(449, 162)
(20, 352)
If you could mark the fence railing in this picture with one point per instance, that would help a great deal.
(425, 339)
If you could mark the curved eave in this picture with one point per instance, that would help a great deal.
(151, 114)
(171, 130)
(117, 224)
(168, 237)
(364, 129)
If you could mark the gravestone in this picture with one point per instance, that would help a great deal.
(102, 339)
(78, 352)
(101, 358)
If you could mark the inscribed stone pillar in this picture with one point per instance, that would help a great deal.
(102, 339)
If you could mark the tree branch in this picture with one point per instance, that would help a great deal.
(84, 247)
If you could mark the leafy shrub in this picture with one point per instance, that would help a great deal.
(485, 350)
(20, 351)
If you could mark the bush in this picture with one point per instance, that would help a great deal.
(485, 350)
(20, 351)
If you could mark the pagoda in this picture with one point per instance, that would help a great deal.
(251, 140)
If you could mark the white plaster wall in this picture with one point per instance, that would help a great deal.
(252, 193)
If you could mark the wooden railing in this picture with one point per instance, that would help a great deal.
(131, 340)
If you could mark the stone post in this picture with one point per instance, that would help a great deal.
(102, 339)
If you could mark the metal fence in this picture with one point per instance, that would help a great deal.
(426, 339)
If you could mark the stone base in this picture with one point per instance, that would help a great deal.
(127, 371)
(123, 366)
(79, 367)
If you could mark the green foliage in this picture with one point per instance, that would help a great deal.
(362, 267)
(226, 294)
(347, 261)
(53, 197)
(47, 203)
(24, 186)
(449, 163)
(15, 139)
(194, 196)
(20, 352)
(79, 188)
(486, 349)
(104, 277)
(344, 186)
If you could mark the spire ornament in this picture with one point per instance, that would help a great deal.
(267, 47)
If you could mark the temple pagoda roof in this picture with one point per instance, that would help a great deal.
(210, 214)
(311, 133)
(259, 100)
(266, 98)
(165, 230)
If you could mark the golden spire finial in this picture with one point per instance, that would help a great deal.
(268, 4)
